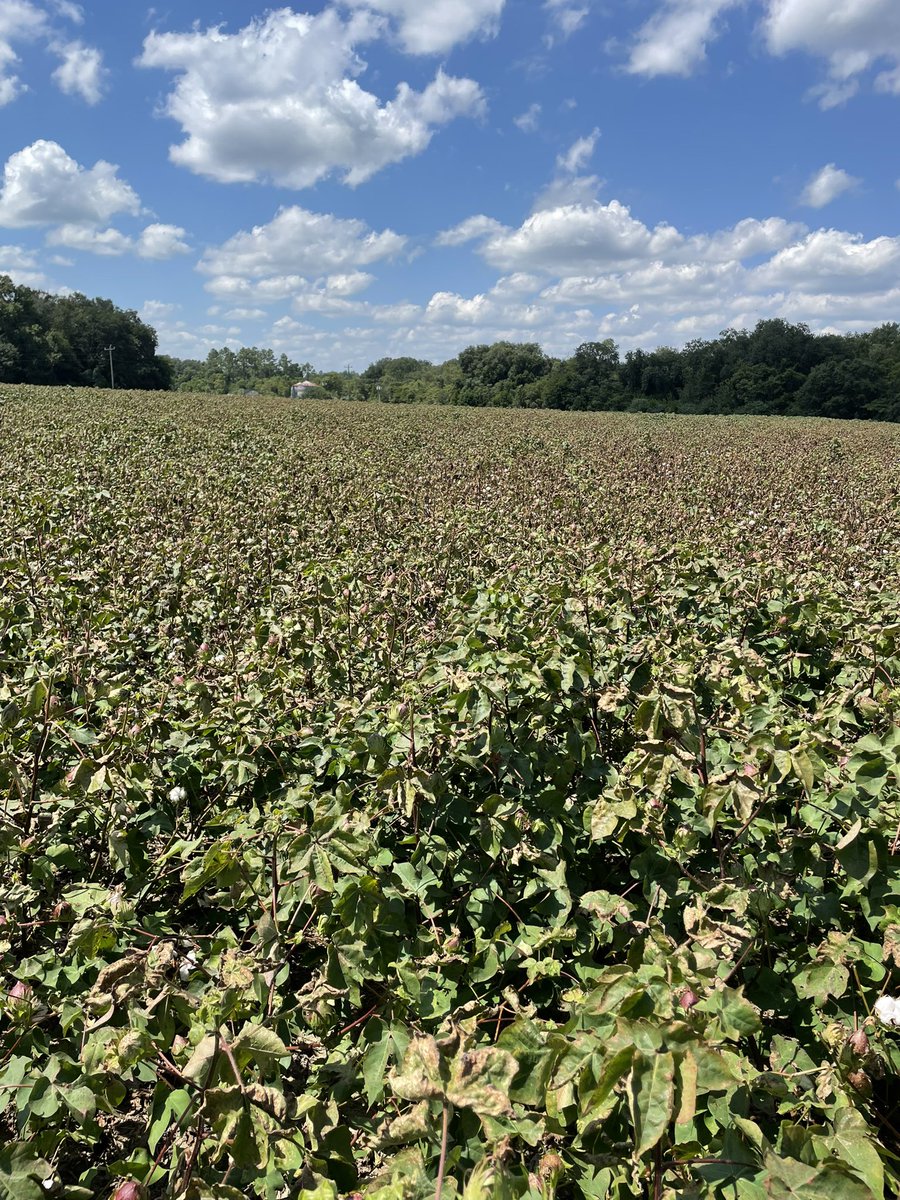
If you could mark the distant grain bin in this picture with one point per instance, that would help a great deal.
(299, 390)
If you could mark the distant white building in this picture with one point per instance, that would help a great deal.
(299, 390)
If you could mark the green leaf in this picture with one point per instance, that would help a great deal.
(790, 1179)
(174, 1107)
(379, 1042)
(217, 860)
(528, 1045)
(22, 1172)
(614, 1069)
(260, 1044)
(803, 769)
(651, 1095)
(322, 874)
(80, 1101)
(852, 1143)
(736, 1016)
(34, 702)
(821, 980)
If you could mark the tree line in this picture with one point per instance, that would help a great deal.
(776, 368)
(66, 340)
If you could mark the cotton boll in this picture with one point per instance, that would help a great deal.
(188, 964)
(178, 795)
(887, 1010)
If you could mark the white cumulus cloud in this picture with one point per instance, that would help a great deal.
(21, 266)
(280, 100)
(274, 261)
(469, 231)
(826, 185)
(579, 154)
(108, 242)
(81, 71)
(20, 21)
(577, 237)
(436, 26)
(156, 241)
(42, 185)
(674, 40)
(831, 260)
(162, 241)
(349, 284)
(852, 36)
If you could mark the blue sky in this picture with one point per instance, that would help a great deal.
(343, 181)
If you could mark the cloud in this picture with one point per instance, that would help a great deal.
(572, 238)
(566, 15)
(21, 266)
(437, 26)
(156, 241)
(469, 231)
(68, 10)
(657, 282)
(577, 237)
(851, 37)
(81, 72)
(749, 238)
(674, 40)
(107, 242)
(245, 314)
(20, 21)
(279, 100)
(831, 260)
(567, 191)
(579, 154)
(162, 241)
(156, 310)
(275, 261)
(42, 185)
(826, 185)
(587, 271)
(528, 121)
(349, 284)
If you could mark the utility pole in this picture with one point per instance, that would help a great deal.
(112, 373)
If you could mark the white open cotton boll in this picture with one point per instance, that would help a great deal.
(887, 1010)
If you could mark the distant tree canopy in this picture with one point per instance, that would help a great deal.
(776, 368)
(247, 370)
(64, 339)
